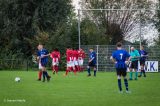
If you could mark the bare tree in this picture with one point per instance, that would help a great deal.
(117, 25)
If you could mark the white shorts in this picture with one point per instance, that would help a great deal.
(80, 62)
(55, 61)
(40, 66)
(75, 62)
(70, 64)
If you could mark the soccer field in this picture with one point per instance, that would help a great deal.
(77, 90)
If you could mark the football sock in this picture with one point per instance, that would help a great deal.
(89, 71)
(94, 72)
(76, 68)
(130, 75)
(141, 72)
(53, 68)
(39, 74)
(79, 68)
(43, 75)
(75, 71)
(46, 74)
(136, 74)
(144, 73)
(126, 84)
(119, 84)
(67, 72)
(56, 68)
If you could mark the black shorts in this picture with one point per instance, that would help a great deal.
(134, 64)
(91, 64)
(121, 71)
(142, 62)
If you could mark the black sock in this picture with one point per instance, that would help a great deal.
(46, 74)
(126, 84)
(144, 73)
(119, 84)
(89, 71)
(94, 72)
(43, 75)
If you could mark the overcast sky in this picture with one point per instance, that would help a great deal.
(75, 3)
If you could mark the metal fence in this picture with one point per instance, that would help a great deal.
(103, 58)
(105, 51)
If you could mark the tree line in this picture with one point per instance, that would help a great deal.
(26, 23)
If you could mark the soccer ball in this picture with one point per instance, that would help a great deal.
(17, 79)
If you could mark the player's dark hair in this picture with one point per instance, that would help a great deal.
(119, 44)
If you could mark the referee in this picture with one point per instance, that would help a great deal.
(134, 62)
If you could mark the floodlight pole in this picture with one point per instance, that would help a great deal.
(79, 32)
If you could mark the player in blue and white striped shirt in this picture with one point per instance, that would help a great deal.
(43, 60)
(143, 56)
(120, 57)
(92, 62)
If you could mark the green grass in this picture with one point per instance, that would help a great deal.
(77, 90)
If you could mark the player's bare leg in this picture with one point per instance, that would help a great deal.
(53, 69)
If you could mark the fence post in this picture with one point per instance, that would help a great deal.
(129, 48)
(97, 56)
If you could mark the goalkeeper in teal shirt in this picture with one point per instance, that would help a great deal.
(134, 62)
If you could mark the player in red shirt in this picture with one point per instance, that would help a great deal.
(81, 56)
(70, 63)
(75, 60)
(55, 55)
